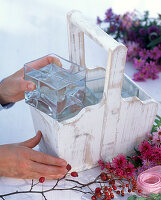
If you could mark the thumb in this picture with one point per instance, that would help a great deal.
(26, 85)
(31, 143)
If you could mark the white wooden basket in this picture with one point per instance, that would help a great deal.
(114, 125)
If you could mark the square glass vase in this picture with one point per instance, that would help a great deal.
(60, 86)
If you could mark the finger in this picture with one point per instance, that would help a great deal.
(25, 85)
(41, 157)
(31, 143)
(55, 61)
(37, 64)
(34, 175)
(27, 175)
(53, 177)
(37, 175)
(48, 170)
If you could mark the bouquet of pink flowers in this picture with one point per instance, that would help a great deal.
(127, 169)
(142, 36)
(148, 154)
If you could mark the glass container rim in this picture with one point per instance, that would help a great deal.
(81, 68)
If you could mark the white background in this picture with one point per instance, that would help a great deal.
(30, 29)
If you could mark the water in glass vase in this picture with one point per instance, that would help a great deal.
(58, 92)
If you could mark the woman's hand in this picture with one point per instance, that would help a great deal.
(21, 161)
(12, 88)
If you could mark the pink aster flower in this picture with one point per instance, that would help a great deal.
(153, 73)
(144, 54)
(159, 47)
(159, 130)
(139, 76)
(155, 53)
(133, 49)
(148, 164)
(154, 76)
(146, 69)
(129, 169)
(157, 155)
(137, 23)
(144, 147)
(108, 166)
(119, 161)
(109, 14)
(148, 155)
(101, 164)
(127, 21)
(140, 170)
(156, 138)
(150, 136)
(138, 63)
(99, 21)
(119, 172)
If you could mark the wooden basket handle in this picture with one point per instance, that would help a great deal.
(77, 26)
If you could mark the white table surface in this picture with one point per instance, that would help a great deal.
(29, 30)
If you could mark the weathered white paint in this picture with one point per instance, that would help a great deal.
(112, 126)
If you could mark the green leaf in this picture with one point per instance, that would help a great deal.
(137, 151)
(146, 15)
(154, 42)
(157, 121)
(158, 198)
(157, 124)
(154, 195)
(136, 163)
(154, 129)
(133, 197)
(158, 117)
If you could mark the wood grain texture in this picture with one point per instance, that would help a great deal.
(114, 125)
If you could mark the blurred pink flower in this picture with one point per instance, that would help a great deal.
(138, 63)
(141, 38)
(148, 164)
(144, 54)
(127, 20)
(159, 130)
(133, 49)
(148, 69)
(150, 136)
(137, 23)
(155, 53)
(153, 70)
(139, 76)
(157, 137)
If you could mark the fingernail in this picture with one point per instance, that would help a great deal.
(31, 86)
(64, 163)
(38, 132)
